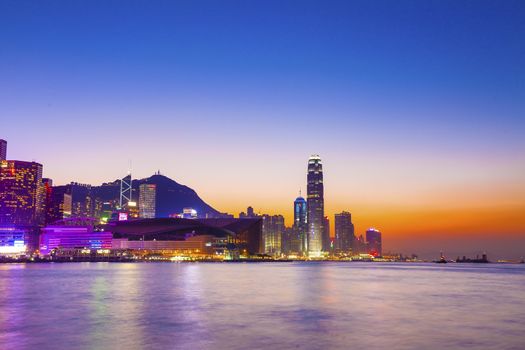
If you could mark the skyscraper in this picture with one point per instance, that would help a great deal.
(147, 201)
(48, 198)
(344, 232)
(327, 242)
(315, 197)
(298, 242)
(3, 150)
(21, 193)
(60, 204)
(82, 200)
(373, 241)
(272, 230)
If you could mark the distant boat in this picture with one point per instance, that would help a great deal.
(441, 260)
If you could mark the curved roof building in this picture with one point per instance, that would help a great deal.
(245, 233)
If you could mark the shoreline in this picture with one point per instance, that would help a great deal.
(251, 261)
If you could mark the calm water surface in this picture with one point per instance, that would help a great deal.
(262, 306)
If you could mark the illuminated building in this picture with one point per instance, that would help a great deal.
(272, 230)
(373, 241)
(315, 204)
(82, 200)
(48, 199)
(70, 201)
(244, 234)
(298, 242)
(327, 242)
(73, 233)
(133, 209)
(344, 232)
(3, 150)
(21, 193)
(59, 205)
(106, 211)
(289, 242)
(12, 240)
(189, 213)
(203, 244)
(147, 200)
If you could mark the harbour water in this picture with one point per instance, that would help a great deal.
(293, 305)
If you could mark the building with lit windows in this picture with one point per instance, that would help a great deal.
(60, 204)
(203, 244)
(72, 234)
(82, 200)
(344, 232)
(21, 193)
(272, 230)
(147, 200)
(298, 242)
(3, 150)
(315, 204)
(373, 241)
(243, 234)
(12, 240)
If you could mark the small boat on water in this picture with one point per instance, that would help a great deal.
(442, 259)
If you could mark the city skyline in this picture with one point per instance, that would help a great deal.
(314, 178)
(416, 110)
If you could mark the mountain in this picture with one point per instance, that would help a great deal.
(171, 197)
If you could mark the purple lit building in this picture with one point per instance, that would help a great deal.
(73, 233)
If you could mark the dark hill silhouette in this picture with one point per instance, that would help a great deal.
(172, 197)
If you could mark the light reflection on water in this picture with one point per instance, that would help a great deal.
(272, 305)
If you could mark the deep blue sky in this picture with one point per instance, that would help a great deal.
(404, 100)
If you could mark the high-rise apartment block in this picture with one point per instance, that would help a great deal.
(272, 231)
(21, 193)
(147, 201)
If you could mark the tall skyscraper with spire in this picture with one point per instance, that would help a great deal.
(315, 201)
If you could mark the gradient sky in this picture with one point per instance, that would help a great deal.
(417, 108)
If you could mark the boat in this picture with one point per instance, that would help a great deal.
(441, 260)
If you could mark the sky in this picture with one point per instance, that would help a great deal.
(417, 108)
